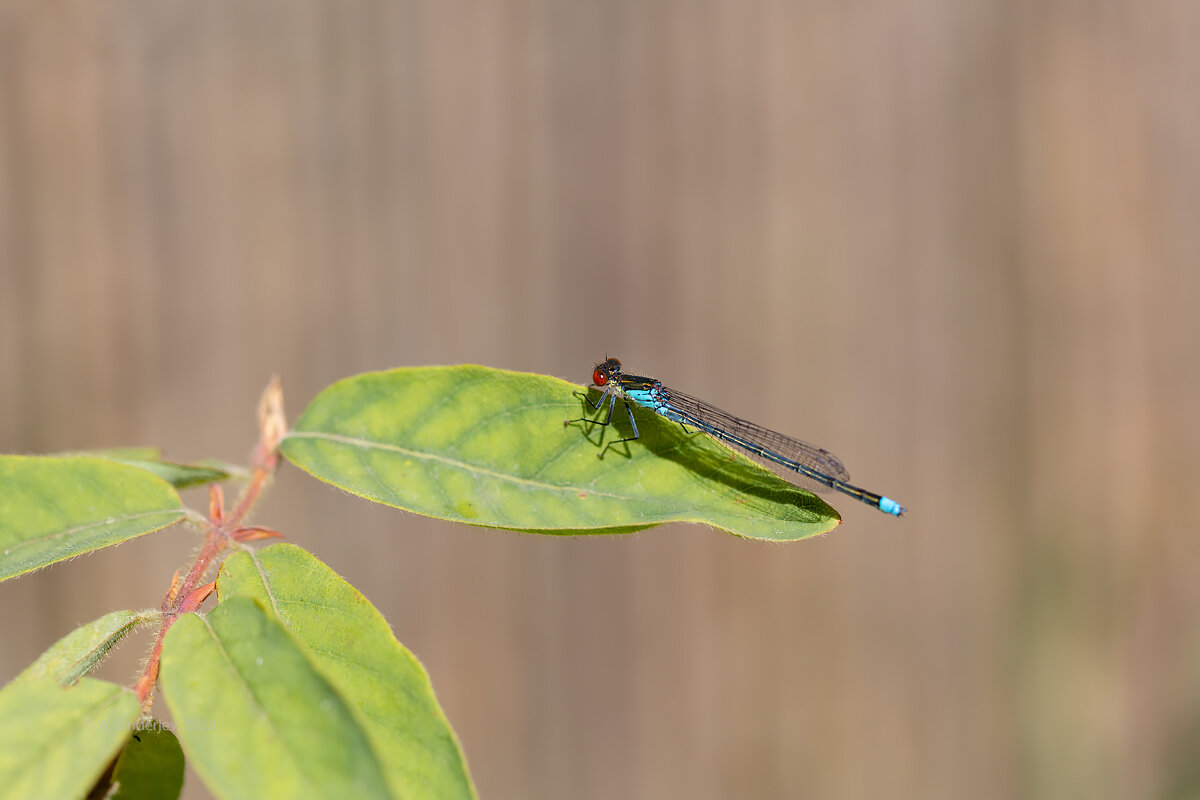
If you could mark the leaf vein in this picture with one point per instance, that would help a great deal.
(501, 476)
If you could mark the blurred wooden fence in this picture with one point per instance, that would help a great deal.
(954, 242)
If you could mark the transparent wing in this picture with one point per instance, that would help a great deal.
(811, 456)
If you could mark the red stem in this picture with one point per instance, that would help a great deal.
(219, 534)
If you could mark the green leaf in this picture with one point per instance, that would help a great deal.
(82, 650)
(54, 508)
(55, 741)
(255, 716)
(488, 447)
(150, 766)
(353, 646)
(181, 476)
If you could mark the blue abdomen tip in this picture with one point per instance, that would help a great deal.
(890, 506)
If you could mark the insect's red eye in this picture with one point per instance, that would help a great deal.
(599, 378)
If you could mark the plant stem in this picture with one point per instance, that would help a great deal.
(220, 534)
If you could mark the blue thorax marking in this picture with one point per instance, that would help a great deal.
(649, 398)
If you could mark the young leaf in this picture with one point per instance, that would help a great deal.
(54, 508)
(488, 447)
(255, 716)
(82, 650)
(150, 767)
(353, 646)
(181, 476)
(55, 741)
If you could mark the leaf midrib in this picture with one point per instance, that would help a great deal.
(465, 466)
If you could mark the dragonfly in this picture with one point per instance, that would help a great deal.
(797, 461)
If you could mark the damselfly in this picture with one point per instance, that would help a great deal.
(798, 461)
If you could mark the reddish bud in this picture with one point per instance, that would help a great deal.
(196, 597)
(172, 592)
(216, 504)
(254, 532)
